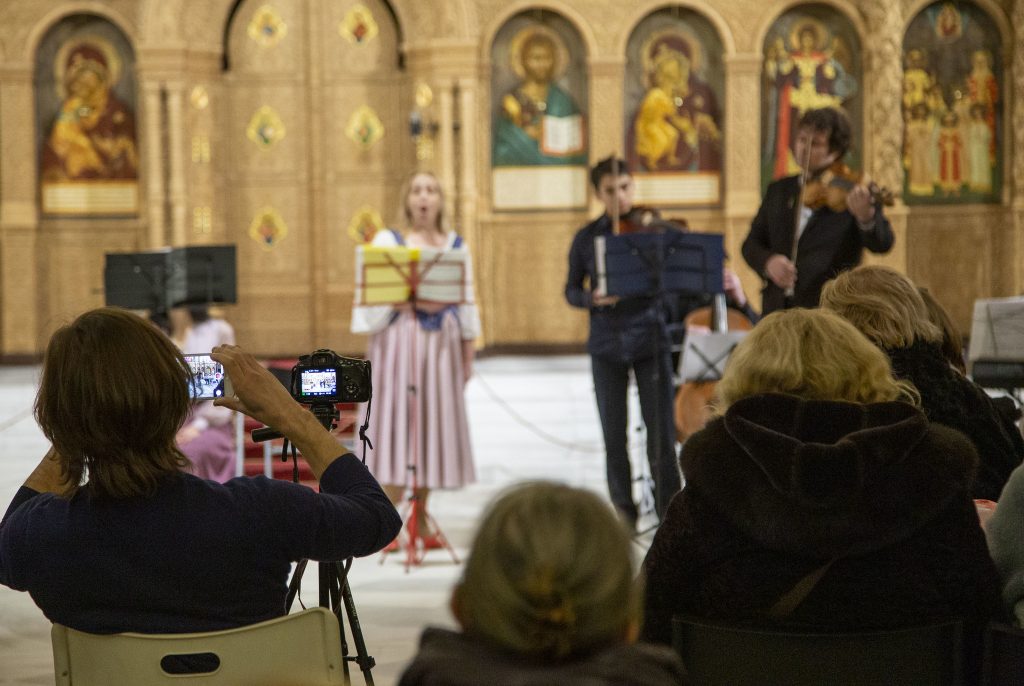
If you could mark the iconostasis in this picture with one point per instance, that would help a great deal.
(287, 127)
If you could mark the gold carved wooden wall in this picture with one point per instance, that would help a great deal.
(304, 138)
(316, 133)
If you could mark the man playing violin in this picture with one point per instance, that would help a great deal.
(795, 247)
(629, 333)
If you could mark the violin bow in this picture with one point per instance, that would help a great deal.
(798, 204)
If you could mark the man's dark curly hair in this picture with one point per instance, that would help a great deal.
(833, 121)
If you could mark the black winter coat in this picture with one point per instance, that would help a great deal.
(447, 658)
(779, 486)
(950, 399)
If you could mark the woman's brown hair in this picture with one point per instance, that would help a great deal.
(113, 394)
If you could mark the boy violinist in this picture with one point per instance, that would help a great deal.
(827, 241)
(630, 334)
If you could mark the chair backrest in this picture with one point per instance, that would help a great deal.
(1003, 663)
(721, 654)
(301, 648)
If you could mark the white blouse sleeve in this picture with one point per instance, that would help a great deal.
(469, 315)
(371, 318)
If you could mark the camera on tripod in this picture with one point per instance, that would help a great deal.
(325, 377)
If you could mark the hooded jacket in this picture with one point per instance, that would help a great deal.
(780, 486)
(447, 658)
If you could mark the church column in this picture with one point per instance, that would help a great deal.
(1015, 280)
(468, 159)
(19, 216)
(155, 199)
(883, 135)
(446, 139)
(177, 182)
(742, 168)
(605, 121)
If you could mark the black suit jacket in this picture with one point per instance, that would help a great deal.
(831, 242)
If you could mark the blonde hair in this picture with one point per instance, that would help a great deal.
(884, 304)
(549, 574)
(405, 214)
(813, 354)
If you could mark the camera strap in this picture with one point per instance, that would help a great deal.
(366, 424)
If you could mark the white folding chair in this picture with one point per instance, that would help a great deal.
(301, 648)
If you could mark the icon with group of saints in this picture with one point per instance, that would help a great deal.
(951, 106)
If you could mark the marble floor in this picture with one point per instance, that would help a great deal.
(531, 418)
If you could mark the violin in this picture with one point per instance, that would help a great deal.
(830, 188)
(643, 219)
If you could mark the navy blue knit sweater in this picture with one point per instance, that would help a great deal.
(194, 556)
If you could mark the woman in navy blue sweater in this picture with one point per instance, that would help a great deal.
(110, 533)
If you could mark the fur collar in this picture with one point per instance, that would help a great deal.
(825, 478)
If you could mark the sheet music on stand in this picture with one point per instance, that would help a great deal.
(690, 262)
(997, 330)
(389, 275)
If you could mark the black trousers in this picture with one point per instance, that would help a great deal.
(654, 382)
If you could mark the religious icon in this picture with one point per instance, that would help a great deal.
(93, 136)
(88, 159)
(538, 122)
(952, 106)
(676, 126)
(805, 76)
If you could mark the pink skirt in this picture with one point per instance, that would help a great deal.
(419, 409)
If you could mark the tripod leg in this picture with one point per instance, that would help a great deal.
(363, 658)
(329, 594)
(442, 538)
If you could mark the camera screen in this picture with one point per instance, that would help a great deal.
(207, 377)
(319, 382)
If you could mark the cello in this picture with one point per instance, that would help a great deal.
(693, 403)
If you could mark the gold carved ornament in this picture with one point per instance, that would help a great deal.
(265, 128)
(359, 27)
(202, 220)
(365, 224)
(364, 127)
(267, 28)
(268, 228)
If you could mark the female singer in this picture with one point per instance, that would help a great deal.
(427, 346)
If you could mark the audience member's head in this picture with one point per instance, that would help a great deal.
(549, 575)
(813, 354)
(952, 340)
(884, 304)
(113, 394)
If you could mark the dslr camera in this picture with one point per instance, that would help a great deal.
(325, 377)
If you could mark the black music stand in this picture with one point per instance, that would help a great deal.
(136, 281)
(160, 279)
(202, 274)
(655, 265)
